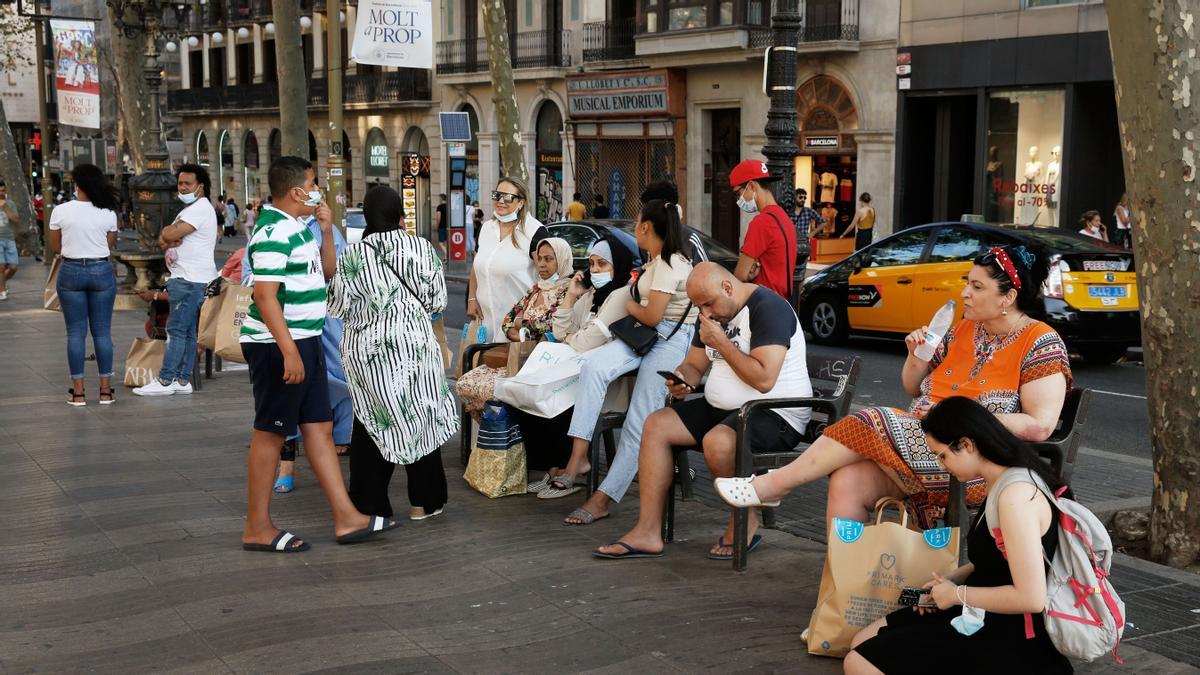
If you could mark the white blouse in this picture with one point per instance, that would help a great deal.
(503, 273)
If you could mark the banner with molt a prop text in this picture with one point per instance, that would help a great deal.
(394, 33)
(76, 73)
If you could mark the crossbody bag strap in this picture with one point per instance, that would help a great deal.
(790, 263)
(396, 272)
(637, 297)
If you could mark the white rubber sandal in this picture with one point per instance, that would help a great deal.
(740, 493)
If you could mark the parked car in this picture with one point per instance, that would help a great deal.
(895, 285)
(355, 223)
(582, 234)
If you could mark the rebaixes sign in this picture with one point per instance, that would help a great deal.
(394, 33)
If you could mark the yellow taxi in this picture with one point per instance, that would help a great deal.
(895, 286)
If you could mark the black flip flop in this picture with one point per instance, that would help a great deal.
(754, 542)
(632, 552)
(378, 524)
(279, 544)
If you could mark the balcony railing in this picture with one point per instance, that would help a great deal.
(532, 49)
(396, 87)
(609, 40)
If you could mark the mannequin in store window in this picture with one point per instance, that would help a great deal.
(1053, 170)
(1033, 177)
(829, 183)
(830, 214)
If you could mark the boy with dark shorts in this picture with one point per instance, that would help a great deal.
(281, 340)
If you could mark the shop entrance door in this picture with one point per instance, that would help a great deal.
(938, 167)
(725, 142)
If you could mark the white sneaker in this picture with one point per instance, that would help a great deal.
(156, 388)
(178, 387)
(3, 295)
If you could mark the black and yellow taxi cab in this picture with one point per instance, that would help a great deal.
(895, 286)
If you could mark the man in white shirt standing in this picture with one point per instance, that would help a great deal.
(189, 244)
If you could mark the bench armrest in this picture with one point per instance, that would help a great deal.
(742, 452)
(469, 354)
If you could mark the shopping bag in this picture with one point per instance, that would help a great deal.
(210, 313)
(143, 361)
(439, 331)
(545, 385)
(50, 295)
(497, 464)
(518, 353)
(235, 304)
(473, 333)
(865, 568)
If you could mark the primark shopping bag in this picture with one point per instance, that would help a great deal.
(235, 304)
(497, 464)
(865, 568)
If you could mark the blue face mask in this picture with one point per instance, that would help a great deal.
(601, 279)
(553, 278)
(969, 622)
(187, 197)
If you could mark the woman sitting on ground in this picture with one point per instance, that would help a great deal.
(533, 314)
(591, 305)
(998, 355)
(1001, 585)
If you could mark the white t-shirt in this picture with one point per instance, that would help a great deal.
(84, 228)
(767, 319)
(657, 275)
(193, 259)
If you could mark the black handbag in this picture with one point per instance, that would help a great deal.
(641, 338)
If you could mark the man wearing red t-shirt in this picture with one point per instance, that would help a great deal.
(769, 249)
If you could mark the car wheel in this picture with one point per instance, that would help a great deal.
(1101, 354)
(827, 321)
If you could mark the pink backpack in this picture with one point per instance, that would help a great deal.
(1084, 617)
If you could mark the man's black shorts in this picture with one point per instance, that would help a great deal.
(279, 407)
(768, 432)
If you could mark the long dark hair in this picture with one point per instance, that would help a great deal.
(959, 417)
(93, 182)
(664, 216)
(1032, 266)
(382, 210)
(622, 271)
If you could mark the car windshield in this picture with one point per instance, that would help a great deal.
(714, 248)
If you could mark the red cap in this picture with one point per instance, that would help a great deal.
(748, 170)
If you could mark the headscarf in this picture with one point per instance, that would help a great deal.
(566, 267)
(382, 210)
(622, 262)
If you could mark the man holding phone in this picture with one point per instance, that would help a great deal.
(752, 341)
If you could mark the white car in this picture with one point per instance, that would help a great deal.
(355, 223)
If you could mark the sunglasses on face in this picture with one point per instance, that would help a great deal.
(505, 197)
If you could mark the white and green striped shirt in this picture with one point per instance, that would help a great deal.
(284, 251)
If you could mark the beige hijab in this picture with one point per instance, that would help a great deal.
(566, 267)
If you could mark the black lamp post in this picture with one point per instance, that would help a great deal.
(781, 149)
(154, 202)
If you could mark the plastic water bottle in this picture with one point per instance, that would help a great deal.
(937, 330)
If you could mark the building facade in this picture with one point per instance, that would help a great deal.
(1009, 113)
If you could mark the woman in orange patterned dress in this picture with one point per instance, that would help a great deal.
(998, 355)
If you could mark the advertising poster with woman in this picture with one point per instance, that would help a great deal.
(76, 75)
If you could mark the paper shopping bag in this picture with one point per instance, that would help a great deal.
(210, 313)
(545, 385)
(865, 568)
(518, 353)
(473, 333)
(50, 295)
(497, 464)
(235, 304)
(143, 361)
(439, 331)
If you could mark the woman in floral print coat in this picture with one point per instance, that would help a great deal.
(385, 289)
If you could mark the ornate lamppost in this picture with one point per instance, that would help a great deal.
(154, 203)
(781, 149)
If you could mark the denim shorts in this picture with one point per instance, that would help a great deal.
(8, 252)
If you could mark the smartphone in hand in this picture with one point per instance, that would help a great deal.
(671, 378)
(915, 597)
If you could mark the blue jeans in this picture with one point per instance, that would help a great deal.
(605, 365)
(86, 291)
(185, 298)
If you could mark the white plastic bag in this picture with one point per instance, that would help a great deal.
(545, 386)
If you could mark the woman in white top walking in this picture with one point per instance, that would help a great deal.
(83, 231)
(503, 270)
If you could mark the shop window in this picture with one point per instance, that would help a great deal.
(1024, 157)
(905, 249)
(694, 15)
(1051, 3)
(955, 245)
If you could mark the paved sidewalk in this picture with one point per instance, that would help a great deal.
(119, 553)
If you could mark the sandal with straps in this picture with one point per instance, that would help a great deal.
(109, 393)
(77, 400)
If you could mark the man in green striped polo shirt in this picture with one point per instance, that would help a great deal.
(281, 340)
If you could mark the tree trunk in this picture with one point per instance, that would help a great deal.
(293, 96)
(126, 61)
(1154, 67)
(504, 93)
(16, 177)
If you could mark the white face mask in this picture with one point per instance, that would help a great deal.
(187, 197)
(747, 206)
(601, 279)
(507, 218)
(314, 198)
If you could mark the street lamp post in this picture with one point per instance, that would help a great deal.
(39, 18)
(155, 188)
(781, 149)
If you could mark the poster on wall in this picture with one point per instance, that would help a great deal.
(394, 33)
(549, 189)
(76, 75)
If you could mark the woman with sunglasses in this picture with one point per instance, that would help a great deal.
(503, 270)
(998, 355)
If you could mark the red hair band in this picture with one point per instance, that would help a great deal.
(1006, 263)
